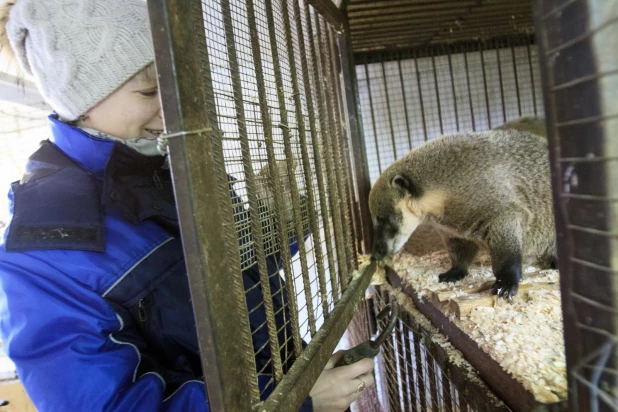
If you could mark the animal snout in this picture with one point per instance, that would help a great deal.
(379, 252)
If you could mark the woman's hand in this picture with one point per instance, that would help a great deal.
(337, 388)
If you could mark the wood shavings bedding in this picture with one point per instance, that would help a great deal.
(525, 338)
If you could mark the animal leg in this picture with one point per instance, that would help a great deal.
(462, 253)
(504, 239)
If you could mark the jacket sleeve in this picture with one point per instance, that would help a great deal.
(71, 348)
(61, 337)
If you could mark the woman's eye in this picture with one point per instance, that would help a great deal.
(149, 93)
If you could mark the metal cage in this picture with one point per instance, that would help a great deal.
(577, 43)
(258, 137)
(296, 106)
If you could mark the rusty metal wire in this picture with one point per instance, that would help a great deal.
(579, 85)
(277, 101)
(415, 381)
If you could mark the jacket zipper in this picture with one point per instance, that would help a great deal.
(141, 307)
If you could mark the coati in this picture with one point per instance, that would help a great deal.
(530, 124)
(490, 189)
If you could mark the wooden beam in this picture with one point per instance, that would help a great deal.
(330, 12)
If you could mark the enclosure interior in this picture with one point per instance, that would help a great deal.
(426, 70)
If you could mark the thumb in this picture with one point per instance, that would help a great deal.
(334, 359)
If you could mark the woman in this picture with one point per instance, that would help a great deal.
(94, 300)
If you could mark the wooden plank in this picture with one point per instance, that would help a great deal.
(463, 305)
(505, 386)
(444, 295)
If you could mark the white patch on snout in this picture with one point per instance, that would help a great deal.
(408, 225)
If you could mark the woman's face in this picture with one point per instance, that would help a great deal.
(131, 111)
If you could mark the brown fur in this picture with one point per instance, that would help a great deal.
(487, 189)
(535, 125)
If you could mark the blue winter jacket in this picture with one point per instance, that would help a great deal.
(95, 307)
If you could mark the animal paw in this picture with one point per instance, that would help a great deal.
(505, 288)
(453, 275)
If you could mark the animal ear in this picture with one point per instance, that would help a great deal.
(400, 182)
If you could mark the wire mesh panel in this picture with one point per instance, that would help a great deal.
(420, 376)
(577, 42)
(276, 159)
(409, 97)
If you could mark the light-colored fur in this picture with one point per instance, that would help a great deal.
(477, 186)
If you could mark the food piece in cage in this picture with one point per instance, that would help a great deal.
(535, 125)
(487, 189)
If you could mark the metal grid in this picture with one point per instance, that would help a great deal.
(580, 76)
(409, 97)
(414, 377)
(392, 24)
(279, 133)
(260, 82)
(276, 138)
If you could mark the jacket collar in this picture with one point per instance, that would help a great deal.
(102, 174)
(91, 153)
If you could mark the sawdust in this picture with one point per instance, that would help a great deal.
(525, 338)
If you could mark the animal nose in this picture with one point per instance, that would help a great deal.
(378, 253)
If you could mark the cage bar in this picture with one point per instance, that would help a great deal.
(358, 147)
(313, 216)
(256, 224)
(296, 201)
(337, 154)
(512, 41)
(289, 394)
(196, 156)
(465, 53)
(435, 83)
(315, 142)
(328, 130)
(346, 165)
(450, 69)
(574, 39)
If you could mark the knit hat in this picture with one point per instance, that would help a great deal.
(80, 51)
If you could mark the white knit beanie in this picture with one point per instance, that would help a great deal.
(80, 51)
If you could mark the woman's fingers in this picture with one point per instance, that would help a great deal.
(334, 359)
(352, 386)
(356, 369)
(367, 379)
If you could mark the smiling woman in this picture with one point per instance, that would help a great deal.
(94, 293)
(131, 112)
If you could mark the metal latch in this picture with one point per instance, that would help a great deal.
(371, 348)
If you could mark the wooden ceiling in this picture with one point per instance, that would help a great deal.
(398, 24)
